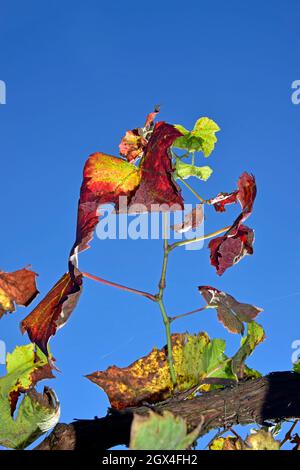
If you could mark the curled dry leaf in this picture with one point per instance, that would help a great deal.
(222, 199)
(53, 311)
(230, 312)
(135, 141)
(18, 287)
(148, 379)
(229, 249)
(191, 221)
(245, 194)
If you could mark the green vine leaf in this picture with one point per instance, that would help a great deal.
(255, 335)
(296, 367)
(201, 139)
(185, 170)
(38, 412)
(161, 432)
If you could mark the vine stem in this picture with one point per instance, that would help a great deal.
(198, 239)
(159, 299)
(188, 313)
(193, 190)
(289, 433)
(120, 286)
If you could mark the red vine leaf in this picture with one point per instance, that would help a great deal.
(105, 179)
(238, 241)
(229, 249)
(18, 287)
(230, 312)
(222, 199)
(245, 194)
(157, 187)
(53, 311)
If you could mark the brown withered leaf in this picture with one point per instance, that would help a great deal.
(18, 287)
(191, 221)
(230, 312)
(53, 311)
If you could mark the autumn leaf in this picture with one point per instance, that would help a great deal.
(37, 413)
(161, 432)
(53, 311)
(148, 379)
(229, 249)
(105, 178)
(226, 443)
(255, 335)
(135, 141)
(158, 190)
(18, 287)
(230, 312)
(191, 221)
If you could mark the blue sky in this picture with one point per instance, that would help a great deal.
(78, 75)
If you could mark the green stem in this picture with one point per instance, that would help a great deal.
(198, 239)
(192, 190)
(167, 324)
(159, 298)
(188, 313)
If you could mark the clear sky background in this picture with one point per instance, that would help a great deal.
(78, 75)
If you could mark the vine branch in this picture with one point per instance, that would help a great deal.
(274, 397)
(120, 286)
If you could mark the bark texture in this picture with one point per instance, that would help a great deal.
(271, 398)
